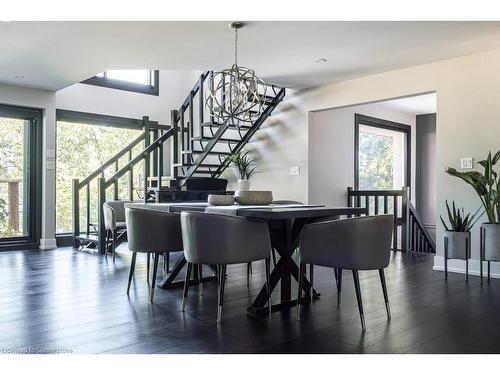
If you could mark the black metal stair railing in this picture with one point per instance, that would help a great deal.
(419, 239)
(393, 201)
(153, 149)
(408, 230)
(193, 146)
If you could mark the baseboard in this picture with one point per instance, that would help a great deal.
(47, 243)
(458, 266)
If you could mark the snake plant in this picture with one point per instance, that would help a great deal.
(486, 185)
(458, 221)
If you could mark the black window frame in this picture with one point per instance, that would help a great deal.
(34, 171)
(375, 122)
(117, 84)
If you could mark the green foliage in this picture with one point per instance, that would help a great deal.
(375, 161)
(81, 149)
(486, 185)
(244, 163)
(459, 222)
(11, 169)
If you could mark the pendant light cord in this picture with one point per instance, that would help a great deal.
(236, 47)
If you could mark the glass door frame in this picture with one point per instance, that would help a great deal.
(32, 185)
(382, 124)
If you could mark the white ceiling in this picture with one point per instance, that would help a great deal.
(414, 105)
(53, 55)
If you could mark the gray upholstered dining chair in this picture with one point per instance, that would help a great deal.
(357, 244)
(221, 240)
(114, 224)
(152, 232)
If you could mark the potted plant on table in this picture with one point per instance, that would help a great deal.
(245, 165)
(487, 187)
(457, 235)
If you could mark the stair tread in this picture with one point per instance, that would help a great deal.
(232, 140)
(207, 124)
(188, 152)
(206, 165)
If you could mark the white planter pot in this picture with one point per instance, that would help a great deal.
(457, 244)
(243, 185)
(490, 234)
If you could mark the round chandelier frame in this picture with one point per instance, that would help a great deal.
(236, 95)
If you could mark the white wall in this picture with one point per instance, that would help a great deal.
(45, 100)
(174, 88)
(281, 143)
(331, 150)
(468, 118)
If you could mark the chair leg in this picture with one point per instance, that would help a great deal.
(200, 279)
(164, 264)
(488, 271)
(131, 273)
(355, 276)
(106, 244)
(186, 286)
(302, 270)
(273, 252)
(339, 284)
(114, 244)
(148, 266)
(311, 281)
(249, 271)
(268, 283)
(384, 290)
(222, 282)
(156, 258)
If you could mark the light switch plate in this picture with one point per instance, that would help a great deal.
(294, 170)
(466, 163)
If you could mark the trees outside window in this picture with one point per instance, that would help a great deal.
(81, 149)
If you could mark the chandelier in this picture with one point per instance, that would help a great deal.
(236, 95)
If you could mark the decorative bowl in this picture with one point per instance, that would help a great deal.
(220, 200)
(253, 197)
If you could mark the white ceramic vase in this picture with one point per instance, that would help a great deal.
(243, 185)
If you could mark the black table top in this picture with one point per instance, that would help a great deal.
(278, 213)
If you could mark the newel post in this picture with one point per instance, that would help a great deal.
(101, 192)
(405, 193)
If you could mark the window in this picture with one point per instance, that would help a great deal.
(20, 177)
(84, 142)
(382, 154)
(141, 81)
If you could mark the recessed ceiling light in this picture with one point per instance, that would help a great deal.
(320, 60)
(20, 77)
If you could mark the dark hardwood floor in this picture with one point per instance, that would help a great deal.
(75, 301)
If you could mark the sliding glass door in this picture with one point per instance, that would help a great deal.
(20, 182)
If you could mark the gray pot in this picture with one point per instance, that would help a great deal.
(458, 244)
(490, 233)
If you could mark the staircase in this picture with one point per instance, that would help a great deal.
(199, 147)
(202, 145)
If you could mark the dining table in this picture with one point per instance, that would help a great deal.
(285, 224)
